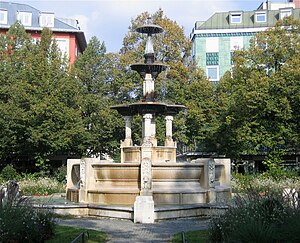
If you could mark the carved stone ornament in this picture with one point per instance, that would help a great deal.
(82, 173)
(146, 177)
(211, 173)
(147, 142)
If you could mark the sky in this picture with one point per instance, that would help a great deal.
(109, 20)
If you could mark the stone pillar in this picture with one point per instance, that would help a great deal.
(146, 177)
(144, 204)
(209, 180)
(147, 128)
(82, 182)
(148, 88)
(169, 134)
(128, 139)
(144, 210)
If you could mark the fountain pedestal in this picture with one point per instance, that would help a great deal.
(144, 210)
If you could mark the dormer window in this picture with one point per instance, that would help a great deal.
(260, 17)
(285, 12)
(235, 17)
(46, 20)
(3, 16)
(25, 18)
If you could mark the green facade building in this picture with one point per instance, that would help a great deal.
(215, 40)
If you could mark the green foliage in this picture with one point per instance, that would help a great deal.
(21, 222)
(263, 182)
(291, 227)
(42, 186)
(94, 72)
(39, 100)
(60, 173)
(257, 216)
(274, 163)
(43, 165)
(197, 236)
(9, 173)
(65, 234)
(256, 106)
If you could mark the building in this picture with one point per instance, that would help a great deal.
(70, 39)
(215, 39)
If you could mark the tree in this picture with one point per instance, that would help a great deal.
(15, 47)
(39, 100)
(258, 104)
(96, 72)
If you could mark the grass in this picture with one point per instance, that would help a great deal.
(197, 236)
(65, 234)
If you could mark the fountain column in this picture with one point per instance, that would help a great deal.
(148, 87)
(128, 139)
(147, 128)
(169, 134)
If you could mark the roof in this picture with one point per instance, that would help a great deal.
(59, 24)
(222, 20)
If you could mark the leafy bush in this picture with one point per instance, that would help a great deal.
(9, 173)
(40, 186)
(61, 173)
(258, 216)
(21, 222)
(260, 183)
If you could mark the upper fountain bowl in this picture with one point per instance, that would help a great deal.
(150, 29)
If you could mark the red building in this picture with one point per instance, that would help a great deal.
(70, 39)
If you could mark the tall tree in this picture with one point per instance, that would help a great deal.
(96, 71)
(38, 99)
(258, 104)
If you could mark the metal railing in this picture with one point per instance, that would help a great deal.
(184, 240)
(82, 237)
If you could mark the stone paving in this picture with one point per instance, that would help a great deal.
(120, 231)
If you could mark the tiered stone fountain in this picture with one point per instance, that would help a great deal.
(148, 175)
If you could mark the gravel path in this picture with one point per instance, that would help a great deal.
(120, 231)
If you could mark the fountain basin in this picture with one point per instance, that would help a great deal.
(172, 183)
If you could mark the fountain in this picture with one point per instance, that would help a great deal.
(148, 180)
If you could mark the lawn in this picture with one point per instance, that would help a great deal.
(65, 234)
(197, 236)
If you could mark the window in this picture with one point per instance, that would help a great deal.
(285, 13)
(25, 18)
(3, 16)
(236, 18)
(212, 73)
(260, 17)
(236, 43)
(46, 20)
(63, 46)
(76, 51)
(212, 44)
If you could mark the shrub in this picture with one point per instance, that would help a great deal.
(260, 183)
(291, 227)
(258, 216)
(61, 173)
(9, 173)
(41, 186)
(21, 222)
